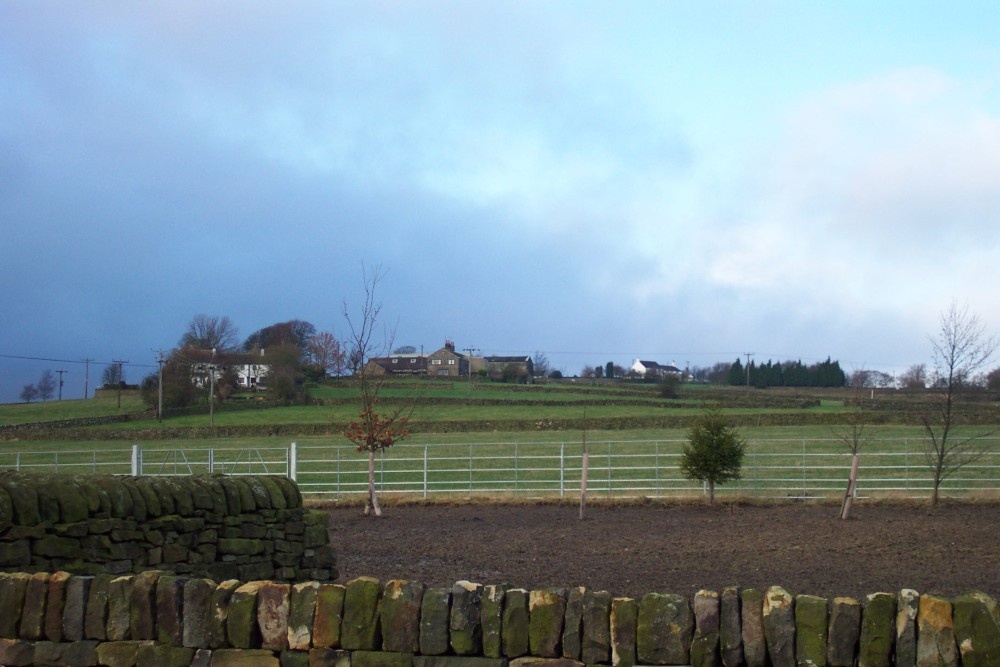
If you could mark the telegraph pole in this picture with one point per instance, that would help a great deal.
(470, 350)
(61, 382)
(86, 377)
(159, 410)
(120, 378)
(211, 391)
(748, 355)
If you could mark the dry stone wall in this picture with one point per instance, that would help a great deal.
(210, 526)
(159, 618)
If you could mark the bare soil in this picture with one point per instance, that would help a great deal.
(630, 550)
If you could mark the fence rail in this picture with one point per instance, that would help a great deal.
(633, 468)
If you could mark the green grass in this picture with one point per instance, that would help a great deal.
(26, 413)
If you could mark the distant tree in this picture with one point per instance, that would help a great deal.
(714, 452)
(376, 429)
(405, 349)
(993, 380)
(960, 349)
(668, 386)
(555, 375)
(540, 364)
(620, 371)
(737, 375)
(587, 372)
(915, 377)
(179, 391)
(326, 352)
(609, 370)
(29, 393)
(208, 332)
(294, 332)
(46, 385)
(113, 375)
(598, 372)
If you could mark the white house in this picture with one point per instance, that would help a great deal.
(645, 368)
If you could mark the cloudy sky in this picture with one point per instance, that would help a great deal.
(677, 181)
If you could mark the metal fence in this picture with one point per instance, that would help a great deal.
(632, 468)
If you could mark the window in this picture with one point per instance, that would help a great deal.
(435, 362)
(395, 360)
(451, 362)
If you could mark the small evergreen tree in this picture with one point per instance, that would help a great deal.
(714, 451)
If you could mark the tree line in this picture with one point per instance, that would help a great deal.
(788, 374)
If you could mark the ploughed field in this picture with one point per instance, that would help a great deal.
(630, 550)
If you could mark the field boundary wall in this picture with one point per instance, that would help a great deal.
(250, 527)
(158, 618)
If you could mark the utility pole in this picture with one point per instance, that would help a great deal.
(159, 410)
(748, 355)
(470, 350)
(121, 378)
(211, 391)
(86, 377)
(61, 382)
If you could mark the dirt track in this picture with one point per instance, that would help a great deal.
(632, 550)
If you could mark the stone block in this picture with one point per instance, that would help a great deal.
(197, 607)
(546, 609)
(491, 619)
(705, 640)
(811, 630)
(66, 653)
(119, 608)
(730, 628)
(142, 605)
(218, 627)
(15, 554)
(977, 629)
(516, 623)
(381, 659)
(75, 607)
(232, 657)
(595, 643)
(13, 595)
(752, 625)
(844, 632)
(328, 657)
(400, 616)
(16, 652)
(878, 622)
(466, 632)
(33, 610)
(936, 644)
(907, 605)
(329, 614)
(170, 610)
(273, 607)
(301, 615)
(96, 620)
(779, 626)
(164, 656)
(624, 622)
(573, 623)
(241, 620)
(55, 605)
(359, 629)
(665, 627)
(435, 609)
(457, 661)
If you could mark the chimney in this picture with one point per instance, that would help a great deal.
(450, 344)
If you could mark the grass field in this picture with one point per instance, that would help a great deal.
(797, 459)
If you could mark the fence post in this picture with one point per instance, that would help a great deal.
(425, 472)
(293, 462)
(562, 469)
(211, 460)
(136, 460)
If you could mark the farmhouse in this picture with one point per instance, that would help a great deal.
(651, 369)
(510, 369)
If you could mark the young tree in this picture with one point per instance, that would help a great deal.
(915, 377)
(854, 437)
(114, 375)
(46, 385)
(960, 349)
(540, 364)
(609, 370)
(376, 429)
(714, 451)
(29, 393)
